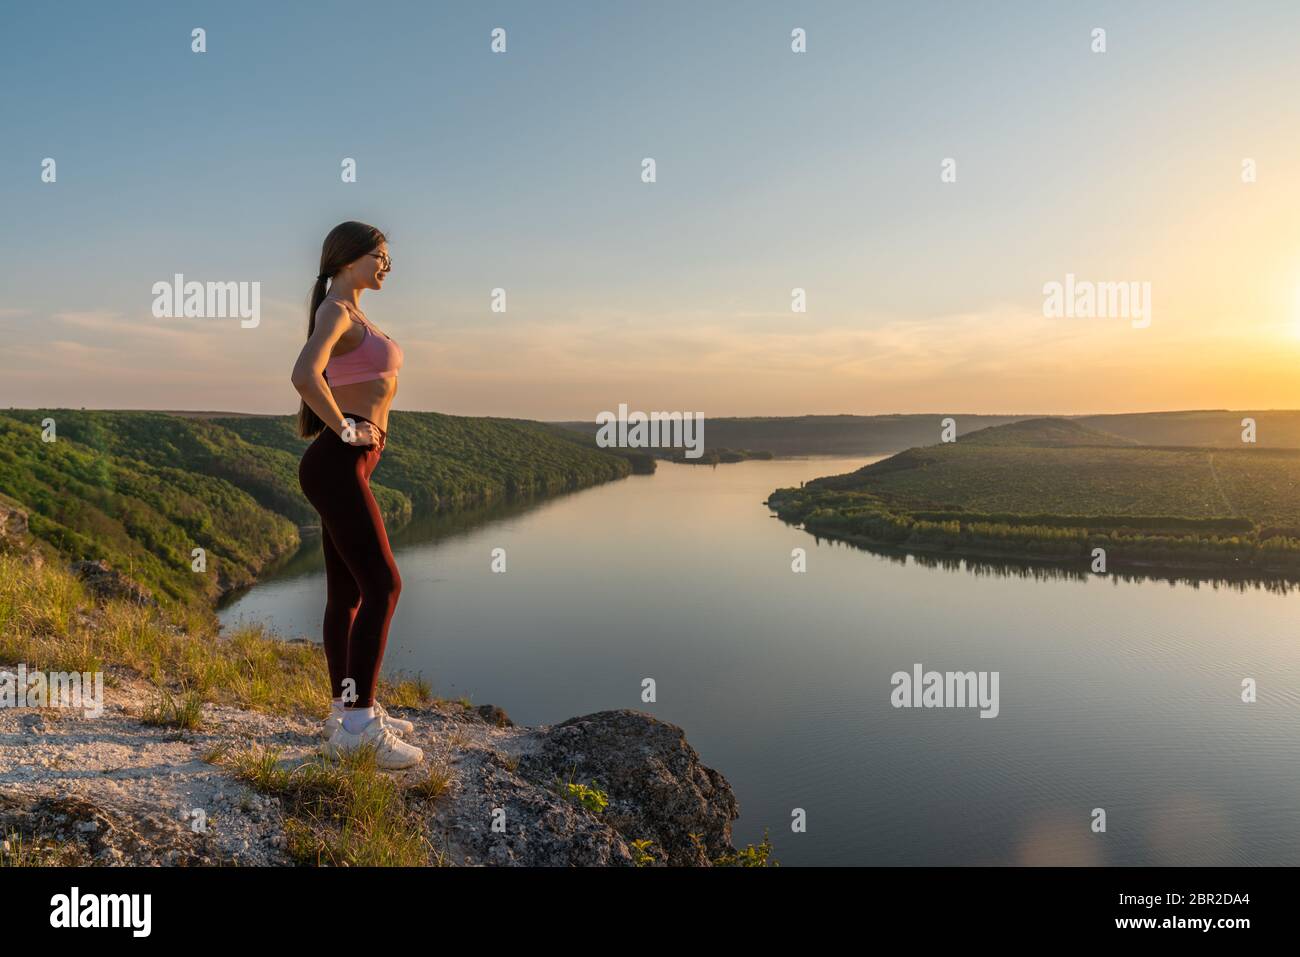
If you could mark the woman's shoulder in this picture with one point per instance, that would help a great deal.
(331, 308)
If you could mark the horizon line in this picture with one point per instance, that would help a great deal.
(796, 415)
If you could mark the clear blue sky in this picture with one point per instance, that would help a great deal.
(775, 170)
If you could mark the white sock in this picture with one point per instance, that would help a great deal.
(354, 719)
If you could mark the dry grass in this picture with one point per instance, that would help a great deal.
(348, 813)
(49, 621)
(338, 813)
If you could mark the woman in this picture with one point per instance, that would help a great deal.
(347, 376)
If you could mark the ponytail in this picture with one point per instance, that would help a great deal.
(309, 423)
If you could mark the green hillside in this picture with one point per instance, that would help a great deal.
(440, 461)
(1057, 488)
(266, 470)
(140, 508)
(143, 489)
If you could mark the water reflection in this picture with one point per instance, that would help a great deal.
(1042, 570)
(429, 528)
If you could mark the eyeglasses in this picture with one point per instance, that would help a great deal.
(385, 263)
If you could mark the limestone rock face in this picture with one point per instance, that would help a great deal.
(106, 582)
(16, 538)
(13, 524)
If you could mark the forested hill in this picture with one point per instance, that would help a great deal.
(1057, 489)
(144, 489)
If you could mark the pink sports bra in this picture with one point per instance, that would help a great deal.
(378, 356)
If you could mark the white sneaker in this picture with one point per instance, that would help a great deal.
(391, 753)
(399, 725)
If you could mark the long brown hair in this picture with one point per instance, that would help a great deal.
(346, 242)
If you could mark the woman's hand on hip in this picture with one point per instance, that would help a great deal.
(364, 433)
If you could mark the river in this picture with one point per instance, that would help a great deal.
(1119, 695)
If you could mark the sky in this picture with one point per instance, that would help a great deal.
(775, 170)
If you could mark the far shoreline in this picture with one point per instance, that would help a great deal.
(1201, 571)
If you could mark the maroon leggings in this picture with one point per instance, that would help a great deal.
(361, 576)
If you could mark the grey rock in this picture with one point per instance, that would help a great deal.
(658, 789)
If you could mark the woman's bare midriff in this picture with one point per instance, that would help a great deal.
(371, 399)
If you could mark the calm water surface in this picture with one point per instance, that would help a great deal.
(1123, 695)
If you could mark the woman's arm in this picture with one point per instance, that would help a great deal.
(332, 320)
